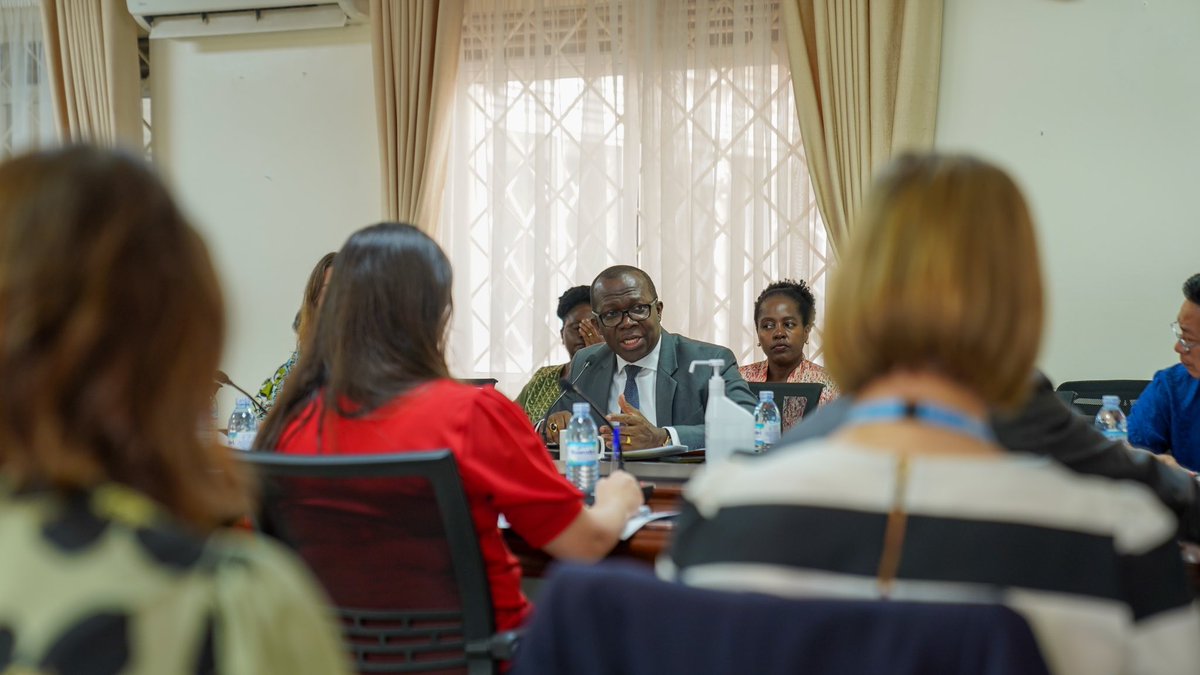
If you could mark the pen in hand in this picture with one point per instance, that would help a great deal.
(618, 461)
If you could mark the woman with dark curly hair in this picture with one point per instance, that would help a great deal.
(578, 330)
(783, 316)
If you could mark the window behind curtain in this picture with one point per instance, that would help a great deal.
(26, 116)
(658, 133)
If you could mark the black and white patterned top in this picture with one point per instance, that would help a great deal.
(104, 583)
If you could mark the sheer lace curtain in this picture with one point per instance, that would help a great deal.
(592, 132)
(26, 112)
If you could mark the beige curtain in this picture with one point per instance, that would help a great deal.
(865, 75)
(416, 51)
(91, 55)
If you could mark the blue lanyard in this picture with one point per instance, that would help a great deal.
(895, 409)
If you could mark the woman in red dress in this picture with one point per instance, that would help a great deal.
(375, 381)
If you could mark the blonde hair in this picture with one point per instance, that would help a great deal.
(942, 273)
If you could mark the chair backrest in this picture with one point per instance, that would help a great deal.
(391, 539)
(619, 619)
(1088, 393)
(809, 391)
(1066, 396)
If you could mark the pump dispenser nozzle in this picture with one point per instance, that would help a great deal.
(717, 365)
(716, 383)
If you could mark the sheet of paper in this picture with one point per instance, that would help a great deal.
(635, 523)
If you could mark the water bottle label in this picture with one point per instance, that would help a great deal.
(581, 453)
(1115, 434)
(765, 435)
(241, 440)
(771, 434)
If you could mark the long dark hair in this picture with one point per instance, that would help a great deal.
(312, 297)
(379, 333)
(112, 323)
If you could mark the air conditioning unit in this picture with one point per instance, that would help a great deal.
(200, 18)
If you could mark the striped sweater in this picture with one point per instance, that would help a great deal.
(1090, 563)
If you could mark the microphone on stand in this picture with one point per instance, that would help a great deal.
(223, 379)
(542, 422)
(569, 385)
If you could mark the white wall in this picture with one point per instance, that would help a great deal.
(1093, 105)
(270, 143)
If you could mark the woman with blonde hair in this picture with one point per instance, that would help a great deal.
(111, 492)
(935, 319)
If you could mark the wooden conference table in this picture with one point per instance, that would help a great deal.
(646, 543)
(653, 538)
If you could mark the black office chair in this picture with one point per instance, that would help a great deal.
(1089, 392)
(1067, 397)
(809, 391)
(619, 619)
(390, 537)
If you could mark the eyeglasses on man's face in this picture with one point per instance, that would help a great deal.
(614, 317)
(1186, 345)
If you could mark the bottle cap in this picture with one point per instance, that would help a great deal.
(766, 396)
(580, 408)
(242, 402)
(1109, 399)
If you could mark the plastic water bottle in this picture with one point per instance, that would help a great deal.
(206, 429)
(243, 426)
(766, 421)
(582, 445)
(1110, 420)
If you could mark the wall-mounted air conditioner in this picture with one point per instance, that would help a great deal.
(199, 18)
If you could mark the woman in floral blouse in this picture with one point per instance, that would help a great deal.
(578, 330)
(783, 317)
(314, 293)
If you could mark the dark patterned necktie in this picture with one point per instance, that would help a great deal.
(631, 388)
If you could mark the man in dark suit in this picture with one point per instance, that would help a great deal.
(1045, 426)
(640, 375)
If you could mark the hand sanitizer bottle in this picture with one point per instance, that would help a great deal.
(727, 427)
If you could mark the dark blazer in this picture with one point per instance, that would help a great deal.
(1045, 426)
(680, 396)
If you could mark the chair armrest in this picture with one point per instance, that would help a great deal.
(499, 647)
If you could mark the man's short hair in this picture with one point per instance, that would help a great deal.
(618, 271)
(1191, 289)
